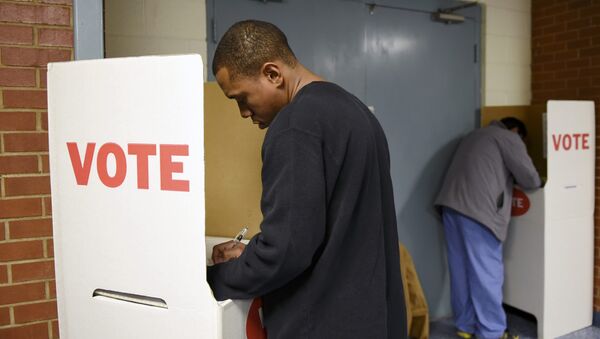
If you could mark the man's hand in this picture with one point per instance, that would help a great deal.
(227, 251)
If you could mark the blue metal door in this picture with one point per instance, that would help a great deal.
(423, 82)
(421, 77)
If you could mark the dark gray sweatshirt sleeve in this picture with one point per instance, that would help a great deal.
(294, 216)
(519, 163)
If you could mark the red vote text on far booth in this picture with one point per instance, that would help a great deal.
(571, 141)
(82, 166)
(520, 203)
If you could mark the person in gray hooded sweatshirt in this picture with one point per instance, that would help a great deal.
(475, 202)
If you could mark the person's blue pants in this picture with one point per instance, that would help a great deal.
(476, 276)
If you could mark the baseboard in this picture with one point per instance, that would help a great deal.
(596, 319)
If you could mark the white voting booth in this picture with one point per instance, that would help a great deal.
(127, 175)
(549, 253)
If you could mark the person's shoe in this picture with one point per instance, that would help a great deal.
(508, 335)
(464, 335)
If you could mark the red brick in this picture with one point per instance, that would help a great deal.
(588, 93)
(43, 77)
(16, 208)
(554, 66)
(4, 316)
(33, 331)
(21, 250)
(44, 118)
(35, 228)
(544, 76)
(52, 289)
(50, 15)
(13, 294)
(33, 271)
(543, 21)
(17, 56)
(592, 51)
(17, 77)
(47, 206)
(35, 312)
(26, 142)
(55, 330)
(18, 164)
(555, 84)
(589, 32)
(589, 71)
(55, 37)
(579, 24)
(50, 247)
(577, 4)
(16, 35)
(577, 63)
(36, 185)
(567, 16)
(25, 99)
(555, 28)
(544, 58)
(579, 83)
(592, 10)
(567, 36)
(558, 8)
(567, 55)
(2, 234)
(3, 274)
(538, 5)
(577, 44)
(45, 164)
(17, 121)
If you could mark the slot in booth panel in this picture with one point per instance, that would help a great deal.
(111, 233)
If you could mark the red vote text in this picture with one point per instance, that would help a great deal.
(571, 141)
(82, 165)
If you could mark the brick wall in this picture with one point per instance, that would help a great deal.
(566, 65)
(32, 33)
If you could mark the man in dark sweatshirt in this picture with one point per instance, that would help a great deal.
(326, 261)
(475, 201)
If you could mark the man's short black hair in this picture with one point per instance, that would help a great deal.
(247, 45)
(512, 122)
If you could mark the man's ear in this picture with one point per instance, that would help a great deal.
(272, 72)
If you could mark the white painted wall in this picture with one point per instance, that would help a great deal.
(506, 38)
(151, 27)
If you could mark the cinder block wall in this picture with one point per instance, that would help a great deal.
(32, 33)
(566, 65)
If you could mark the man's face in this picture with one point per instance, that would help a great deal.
(257, 97)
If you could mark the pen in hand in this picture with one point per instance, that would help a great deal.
(241, 234)
(231, 249)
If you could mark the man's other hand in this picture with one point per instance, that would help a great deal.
(227, 251)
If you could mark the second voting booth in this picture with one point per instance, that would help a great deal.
(128, 194)
(549, 252)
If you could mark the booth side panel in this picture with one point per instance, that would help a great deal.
(127, 159)
(570, 207)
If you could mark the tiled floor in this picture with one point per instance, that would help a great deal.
(518, 323)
